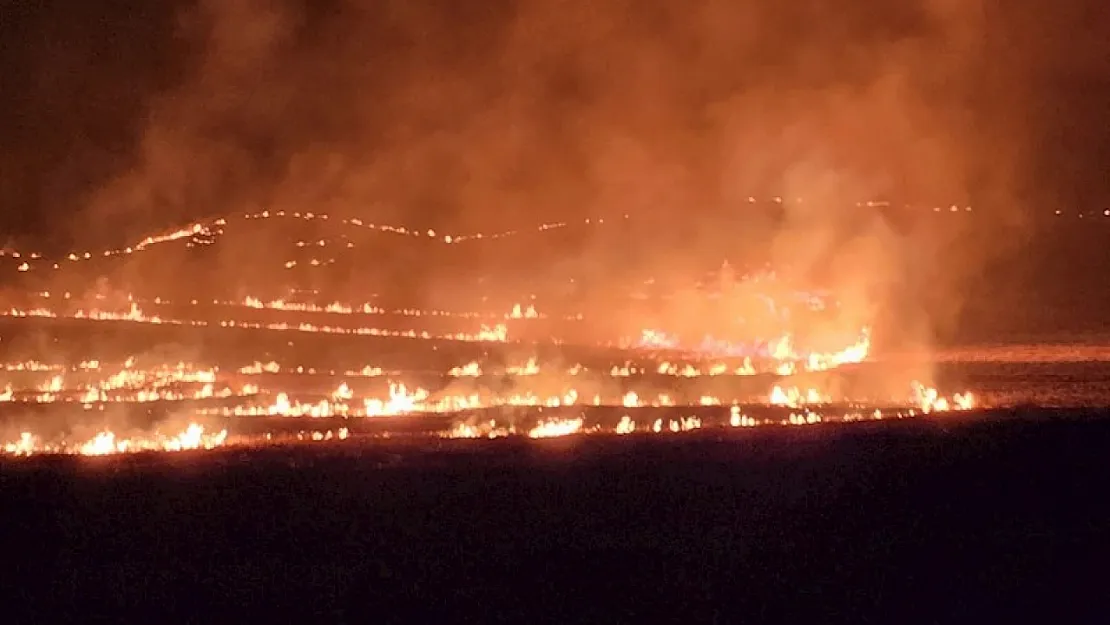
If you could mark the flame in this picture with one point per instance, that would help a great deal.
(556, 427)
(684, 424)
(489, 429)
(930, 400)
(343, 393)
(785, 355)
(805, 418)
(624, 370)
(107, 442)
(782, 351)
(126, 385)
(205, 233)
(259, 368)
(794, 398)
(400, 402)
(737, 419)
(626, 425)
(496, 333)
(25, 446)
(528, 368)
(631, 400)
(181, 381)
(853, 354)
(471, 369)
(527, 313)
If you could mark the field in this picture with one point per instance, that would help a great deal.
(146, 372)
(161, 360)
(308, 454)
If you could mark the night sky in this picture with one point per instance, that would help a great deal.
(130, 115)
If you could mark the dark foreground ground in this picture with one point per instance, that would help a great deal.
(908, 522)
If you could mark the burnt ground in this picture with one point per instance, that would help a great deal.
(893, 522)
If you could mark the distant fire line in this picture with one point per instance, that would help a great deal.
(197, 437)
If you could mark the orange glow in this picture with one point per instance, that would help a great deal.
(107, 442)
(489, 382)
(793, 397)
(557, 427)
(930, 400)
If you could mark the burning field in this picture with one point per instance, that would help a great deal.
(534, 312)
(109, 371)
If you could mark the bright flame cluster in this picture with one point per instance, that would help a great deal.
(107, 442)
(401, 402)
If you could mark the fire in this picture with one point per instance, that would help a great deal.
(128, 384)
(400, 402)
(687, 371)
(805, 418)
(684, 424)
(259, 368)
(793, 397)
(624, 370)
(107, 442)
(25, 446)
(102, 444)
(470, 369)
(853, 354)
(496, 333)
(781, 351)
(489, 429)
(930, 400)
(528, 368)
(367, 372)
(737, 419)
(526, 313)
(343, 393)
(334, 307)
(657, 339)
(262, 388)
(556, 427)
(205, 232)
(186, 381)
(626, 425)
(631, 400)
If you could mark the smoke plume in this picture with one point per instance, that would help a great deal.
(472, 116)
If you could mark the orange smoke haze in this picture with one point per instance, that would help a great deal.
(465, 117)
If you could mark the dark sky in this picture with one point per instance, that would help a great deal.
(131, 114)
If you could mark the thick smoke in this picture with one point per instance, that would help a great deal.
(461, 116)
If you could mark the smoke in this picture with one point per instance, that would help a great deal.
(476, 114)
(461, 117)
